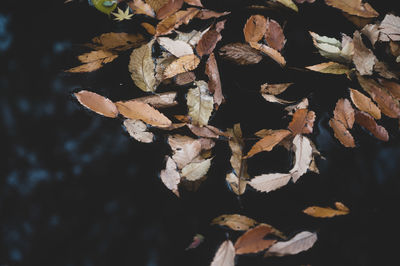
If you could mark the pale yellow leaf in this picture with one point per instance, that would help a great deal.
(237, 185)
(236, 222)
(196, 170)
(330, 68)
(176, 47)
(200, 103)
(288, 3)
(270, 182)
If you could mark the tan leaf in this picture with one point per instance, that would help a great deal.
(303, 104)
(207, 131)
(97, 103)
(225, 255)
(156, 4)
(341, 206)
(299, 243)
(117, 41)
(162, 62)
(142, 67)
(372, 32)
(236, 222)
(175, 20)
(200, 104)
(354, 7)
(140, 7)
(185, 78)
(237, 185)
(394, 48)
(368, 122)
(255, 28)
(161, 100)
(253, 240)
(274, 89)
(326, 212)
(149, 28)
(390, 28)
(236, 144)
(344, 113)
(303, 156)
(240, 53)
(196, 170)
(274, 99)
(89, 67)
(176, 47)
(268, 142)
(274, 54)
(341, 133)
(169, 8)
(274, 35)
(194, 2)
(302, 122)
(363, 58)
(192, 37)
(138, 130)
(288, 3)
(170, 176)
(184, 149)
(383, 70)
(364, 103)
(392, 87)
(143, 111)
(209, 40)
(181, 65)
(270, 182)
(207, 14)
(214, 81)
(94, 60)
(330, 68)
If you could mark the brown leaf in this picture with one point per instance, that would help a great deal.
(162, 62)
(142, 67)
(344, 113)
(94, 60)
(326, 212)
(368, 122)
(117, 41)
(176, 47)
(237, 185)
(236, 222)
(268, 142)
(175, 20)
(97, 103)
(274, 89)
(140, 7)
(185, 78)
(388, 105)
(197, 240)
(392, 87)
(342, 134)
(255, 28)
(225, 255)
(383, 70)
(364, 103)
(390, 28)
(149, 28)
(354, 7)
(299, 243)
(302, 122)
(330, 68)
(161, 100)
(170, 176)
(303, 104)
(363, 58)
(253, 240)
(274, 35)
(302, 1)
(394, 48)
(194, 2)
(359, 22)
(270, 182)
(169, 8)
(236, 144)
(274, 54)
(210, 39)
(89, 67)
(372, 32)
(138, 130)
(206, 131)
(240, 53)
(143, 111)
(207, 14)
(181, 65)
(214, 81)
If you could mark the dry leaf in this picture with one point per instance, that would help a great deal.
(253, 240)
(341, 133)
(200, 104)
(206, 131)
(97, 103)
(214, 81)
(175, 20)
(334, 49)
(303, 104)
(274, 89)
(392, 87)
(299, 243)
(197, 240)
(372, 32)
(288, 3)
(94, 60)
(194, 2)
(162, 62)
(140, 7)
(236, 222)
(302, 1)
(363, 58)
(176, 47)
(364, 103)
(390, 28)
(161, 100)
(225, 255)
(274, 54)
(274, 35)
(207, 14)
(274, 99)
(149, 28)
(185, 78)
(354, 7)
(383, 70)
(268, 142)
(196, 170)
(240, 53)
(236, 144)
(170, 176)
(192, 37)
(116, 41)
(142, 67)
(138, 130)
(255, 28)
(238, 186)
(368, 122)
(303, 156)
(184, 149)
(302, 122)
(210, 39)
(270, 182)
(326, 212)
(181, 65)
(330, 68)
(143, 111)
(169, 8)
(156, 4)
(344, 113)
(89, 67)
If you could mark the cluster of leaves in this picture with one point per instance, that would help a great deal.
(173, 57)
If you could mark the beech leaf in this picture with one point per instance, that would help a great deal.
(138, 130)
(235, 222)
(274, 35)
(140, 7)
(176, 47)
(303, 156)
(326, 212)
(200, 103)
(302, 122)
(392, 87)
(299, 243)
(184, 149)
(274, 89)
(390, 28)
(274, 54)
(365, 104)
(333, 49)
(196, 170)
(354, 7)
(238, 186)
(97, 103)
(344, 113)
(170, 176)
(341, 133)
(161, 100)
(368, 122)
(168, 24)
(181, 65)
(169, 8)
(116, 41)
(372, 32)
(255, 28)
(225, 255)
(209, 40)
(142, 67)
(214, 80)
(253, 241)
(268, 142)
(240, 53)
(270, 182)
(363, 58)
(330, 68)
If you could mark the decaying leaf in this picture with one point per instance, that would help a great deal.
(303, 156)
(253, 241)
(274, 35)
(334, 49)
(303, 104)
(192, 37)
(288, 3)
(236, 144)
(363, 58)
(344, 113)
(390, 28)
(236, 222)
(354, 7)
(138, 130)
(372, 32)
(274, 89)
(299, 243)
(364, 103)
(383, 70)
(274, 54)
(207, 131)
(170, 176)
(161, 100)
(97, 103)
(327, 212)
(368, 122)
(207, 14)
(140, 7)
(194, 2)
(162, 62)
(176, 47)
(116, 41)
(184, 149)
(209, 40)
(169, 8)
(143, 111)
(392, 87)
(142, 67)
(197, 240)
(196, 170)
(181, 65)
(302, 122)
(149, 28)
(238, 186)
(214, 81)
(240, 53)
(270, 182)
(330, 68)
(156, 4)
(273, 99)
(268, 142)
(185, 78)
(255, 28)
(225, 255)
(93, 61)
(341, 133)
(200, 103)
(175, 20)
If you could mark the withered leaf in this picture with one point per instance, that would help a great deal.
(181, 65)
(240, 53)
(270, 182)
(390, 28)
(149, 28)
(97, 103)
(93, 61)
(302, 1)
(236, 222)
(207, 14)
(253, 241)
(175, 20)
(274, 54)
(341, 133)
(392, 87)
(142, 67)
(162, 62)
(200, 104)
(138, 130)
(192, 37)
(368, 122)
(185, 78)
(169, 8)
(330, 68)
(184, 149)
(303, 156)
(116, 41)
(333, 49)
(273, 99)
(89, 67)
(236, 144)
(274, 35)
(354, 7)
(372, 32)
(237, 185)
(143, 111)
(209, 40)
(344, 113)
(274, 89)
(161, 100)
(363, 58)
(156, 4)
(140, 7)
(289, 4)
(268, 142)
(255, 28)
(207, 131)
(170, 176)
(214, 81)
(196, 170)
(303, 104)
(225, 255)
(299, 243)
(365, 104)
(302, 122)
(327, 212)
(176, 47)
(194, 2)
(197, 240)
(383, 70)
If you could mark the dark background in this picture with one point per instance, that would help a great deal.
(75, 189)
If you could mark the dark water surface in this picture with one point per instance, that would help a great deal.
(75, 189)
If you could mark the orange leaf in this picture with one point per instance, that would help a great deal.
(181, 65)
(268, 142)
(326, 212)
(175, 20)
(253, 240)
(302, 122)
(169, 8)
(97, 103)
(364, 103)
(255, 28)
